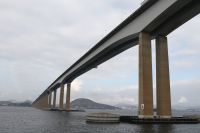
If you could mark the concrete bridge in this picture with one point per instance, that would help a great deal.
(155, 19)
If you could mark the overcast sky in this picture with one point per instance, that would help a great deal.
(40, 39)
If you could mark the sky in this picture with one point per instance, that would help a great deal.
(40, 39)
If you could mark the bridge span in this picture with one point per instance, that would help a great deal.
(155, 19)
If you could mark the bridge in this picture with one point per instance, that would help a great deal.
(155, 19)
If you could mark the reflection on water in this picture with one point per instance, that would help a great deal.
(30, 120)
(154, 128)
(165, 128)
(146, 128)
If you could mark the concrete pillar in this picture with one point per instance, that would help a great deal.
(68, 96)
(36, 105)
(50, 95)
(39, 103)
(163, 79)
(46, 105)
(54, 98)
(61, 96)
(43, 102)
(145, 77)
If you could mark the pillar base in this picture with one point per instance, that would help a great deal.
(164, 116)
(146, 116)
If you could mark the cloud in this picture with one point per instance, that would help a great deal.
(185, 91)
(119, 100)
(77, 86)
(183, 100)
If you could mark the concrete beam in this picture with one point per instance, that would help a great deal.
(61, 96)
(68, 107)
(50, 97)
(43, 102)
(54, 98)
(145, 77)
(163, 78)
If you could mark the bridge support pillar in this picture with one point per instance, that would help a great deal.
(38, 104)
(61, 96)
(145, 77)
(68, 106)
(163, 78)
(46, 105)
(49, 100)
(44, 102)
(54, 98)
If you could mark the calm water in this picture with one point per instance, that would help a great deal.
(30, 120)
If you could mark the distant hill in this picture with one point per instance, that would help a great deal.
(83, 103)
(26, 103)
